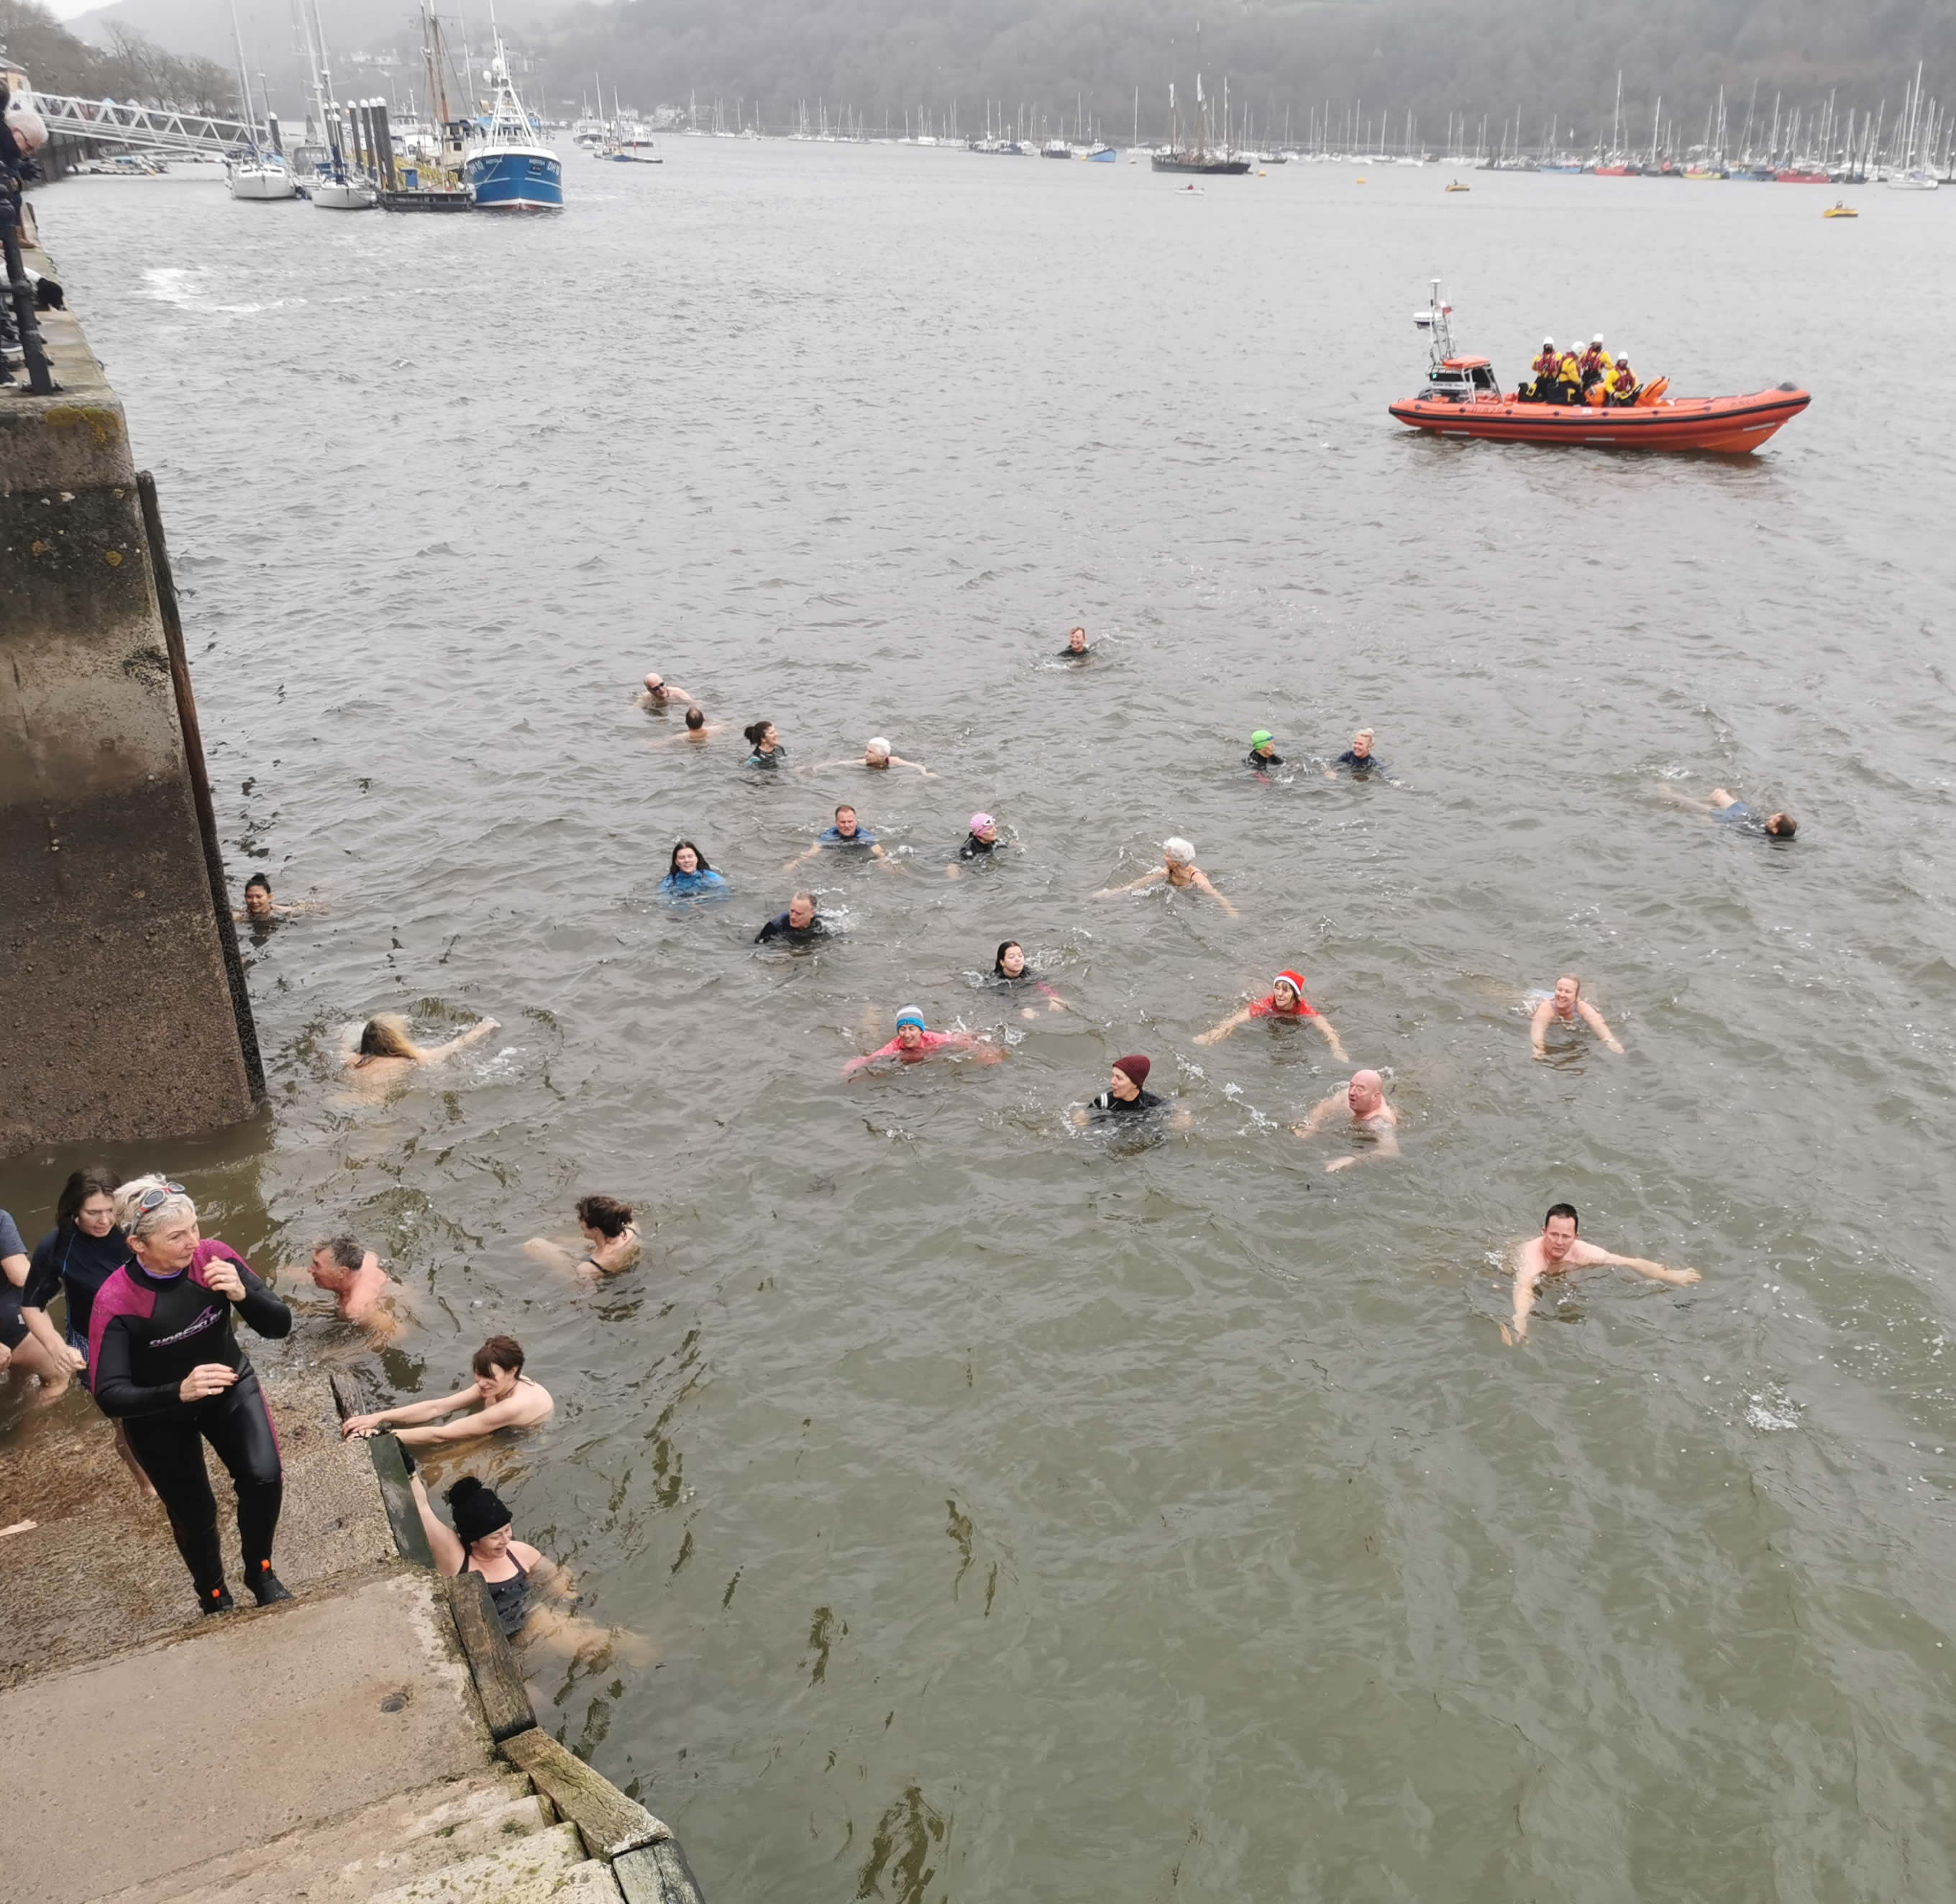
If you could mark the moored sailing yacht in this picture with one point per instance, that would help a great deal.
(1201, 157)
(256, 172)
(506, 162)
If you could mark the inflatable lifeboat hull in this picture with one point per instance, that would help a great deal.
(1729, 426)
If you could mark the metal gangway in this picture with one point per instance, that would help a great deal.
(155, 128)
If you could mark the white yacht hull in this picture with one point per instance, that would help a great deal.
(261, 181)
(344, 194)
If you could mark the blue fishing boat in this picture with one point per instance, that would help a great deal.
(506, 162)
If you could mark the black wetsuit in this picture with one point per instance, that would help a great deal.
(1108, 1105)
(781, 926)
(1076, 654)
(510, 1597)
(1260, 761)
(1360, 763)
(974, 847)
(146, 1333)
(70, 1260)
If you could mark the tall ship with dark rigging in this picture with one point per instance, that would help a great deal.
(1203, 156)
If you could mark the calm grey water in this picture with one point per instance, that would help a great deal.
(1019, 1518)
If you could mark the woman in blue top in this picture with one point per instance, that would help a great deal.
(690, 877)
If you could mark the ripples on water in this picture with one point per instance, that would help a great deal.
(1018, 1518)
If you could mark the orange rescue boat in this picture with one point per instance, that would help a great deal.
(1464, 398)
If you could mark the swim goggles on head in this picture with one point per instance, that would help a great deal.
(156, 1197)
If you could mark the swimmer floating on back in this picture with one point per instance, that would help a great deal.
(1566, 1006)
(1725, 810)
(1284, 1001)
(1179, 869)
(912, 1044)
(1557, 1251)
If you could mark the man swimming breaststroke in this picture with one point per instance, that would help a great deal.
(698, 729)
(798, 925)
(913, 1043)
(501, 1396)
(878, 758)
(1364, 1099)
(847, 833)
(362, 1293)
(1284, 1000)
(1557, 1251)
(1725, 809)
(1076, 648)
(1127, 1099)
(1178, 869)
(658, 693)
(1566, 1006)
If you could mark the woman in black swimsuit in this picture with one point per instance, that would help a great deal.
(519, 1577)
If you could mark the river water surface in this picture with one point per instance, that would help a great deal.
(1019, 1517)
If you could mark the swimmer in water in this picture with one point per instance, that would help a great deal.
(1557, 1251)
(1076, 648)
(362, 1293)
(912, 1044)
(501, 1396)
(259, 908)
(659, 693)
(799, 924)
(1566, 1006)
(698, 729)
(1284, 1001)
(1263, 753)
(1179, 869)
(768, 751)
(1009, 972)
(877, 757)
(1127, 1099)
(980, 842)
(610, 1241)
(1725, 810)
(1371, 1116)
(848, 834)
(690, 877)
(386, 1051)
(1358, 760)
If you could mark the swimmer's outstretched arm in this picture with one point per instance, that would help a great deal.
(1657, 1272)
(481, 1029)
(1331, 1038)
(444, 1543)
(1319, 1114)
(1597, 1024)
(1203, 880)
(409, 1413)
(1215, 1034)
(551, 1253)
(1151, 877)
(813, 852)
(898, 760)
(1385, 1151)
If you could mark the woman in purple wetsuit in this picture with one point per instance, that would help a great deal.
(163, 1359)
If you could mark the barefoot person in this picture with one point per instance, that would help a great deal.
(609, 1245)
(387, 1052)
(1284, 1003)
(164, 1360)
(502, 1396)
(1557, 1251)
(1178, 869)
(1566, 1006)
(519, 1577)
(1725, 809)
(362, 1293)
(1371, 1117)
(847, 836)
(912, 1044)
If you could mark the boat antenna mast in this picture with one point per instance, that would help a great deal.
(1437, 320)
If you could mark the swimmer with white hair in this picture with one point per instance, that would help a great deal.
(1364, 1098)
(877, 757)
(1178, 868)
(1566, 1005)
(1358, 760)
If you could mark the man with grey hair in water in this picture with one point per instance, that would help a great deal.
(1557, 1250)
(1371, 1117)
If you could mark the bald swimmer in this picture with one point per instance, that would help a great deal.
(1371, 1117)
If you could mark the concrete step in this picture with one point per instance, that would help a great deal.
(342, 1859)
(531, 1870)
